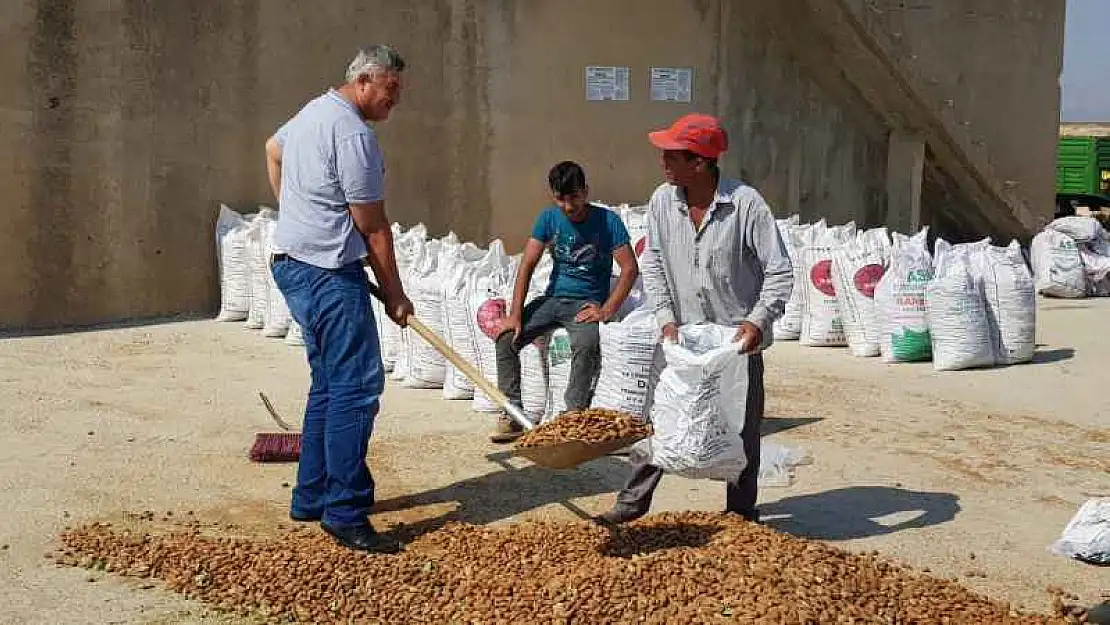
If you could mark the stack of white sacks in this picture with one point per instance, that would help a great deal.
(1071, 258)
(448, 281)
(875, 293)
(881, 295)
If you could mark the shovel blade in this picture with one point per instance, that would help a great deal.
(570, 454)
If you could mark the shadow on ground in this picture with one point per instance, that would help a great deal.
(859, 512)
(1046, 356)
(626, 542)
(511, 491)
(775, 425)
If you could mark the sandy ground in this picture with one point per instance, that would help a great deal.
(969, 474)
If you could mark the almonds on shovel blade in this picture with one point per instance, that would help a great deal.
(593, 426)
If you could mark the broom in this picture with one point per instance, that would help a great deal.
(276, 446)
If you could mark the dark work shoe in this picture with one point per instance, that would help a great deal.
(304, 518)
(617, 515)
(363, 538)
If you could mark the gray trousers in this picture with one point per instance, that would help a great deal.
(539, 317)
(740, 497)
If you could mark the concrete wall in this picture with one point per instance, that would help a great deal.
(123, 125)
(989, 72)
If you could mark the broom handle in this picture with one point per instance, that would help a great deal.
(462, 365)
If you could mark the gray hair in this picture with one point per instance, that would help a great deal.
(374, 59)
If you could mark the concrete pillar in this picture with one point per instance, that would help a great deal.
(905, 162)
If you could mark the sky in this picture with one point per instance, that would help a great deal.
(1085, 83)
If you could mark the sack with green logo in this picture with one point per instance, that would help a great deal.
(900, 301)
(558, 373)
(1057, 266)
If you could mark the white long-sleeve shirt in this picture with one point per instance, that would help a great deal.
(734, 268)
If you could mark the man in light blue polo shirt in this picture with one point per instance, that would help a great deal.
(327, 171)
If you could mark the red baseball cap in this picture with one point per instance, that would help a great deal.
(700, 134)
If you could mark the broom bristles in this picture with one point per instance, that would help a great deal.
(276, 447)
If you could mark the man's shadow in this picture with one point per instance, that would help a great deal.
(859, 512)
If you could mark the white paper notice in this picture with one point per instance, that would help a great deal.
(607, 83)
(672, 84)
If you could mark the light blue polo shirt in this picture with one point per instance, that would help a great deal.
(330, 159)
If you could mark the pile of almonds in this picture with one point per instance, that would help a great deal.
(668, 568)
(594, 426)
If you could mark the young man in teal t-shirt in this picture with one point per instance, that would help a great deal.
(584, 240)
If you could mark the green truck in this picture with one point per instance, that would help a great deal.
(1083, 168)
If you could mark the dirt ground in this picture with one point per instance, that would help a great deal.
(969, 474)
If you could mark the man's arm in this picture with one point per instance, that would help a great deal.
(630, 271)
(656, 289)
(533, 252)
(273, 165)
(359, 164)
(765, 241)
(373, 224)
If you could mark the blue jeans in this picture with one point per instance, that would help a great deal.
(332, 306)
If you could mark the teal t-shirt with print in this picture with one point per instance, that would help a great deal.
(582, 253)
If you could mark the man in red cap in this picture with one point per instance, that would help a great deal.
(714, 254)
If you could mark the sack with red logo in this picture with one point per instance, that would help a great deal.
(857, 268)
(821, 322)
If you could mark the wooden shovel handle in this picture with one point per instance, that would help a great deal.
(461, 364)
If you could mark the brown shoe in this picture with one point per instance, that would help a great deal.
(506, 430)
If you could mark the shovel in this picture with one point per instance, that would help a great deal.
(563, 455)
(462, 365)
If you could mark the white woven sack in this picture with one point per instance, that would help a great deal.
(294, 337)
(788, 327)
(1095, 256)
(1087, 536)
(634, 301)
(1079, 228)
(456, 272)
(491, 276)
(259, 269)
(957, 312)
(700, 406)
(900, 300)
(1011, 301)
(634, 219)
(427, 367)
(627, 352)
(233, 258)
(408, 246)
(1058, 269)
(277, 312)
(792, 220)
(408, 250)
(533, 381)
(821, 323)
(857, 268)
